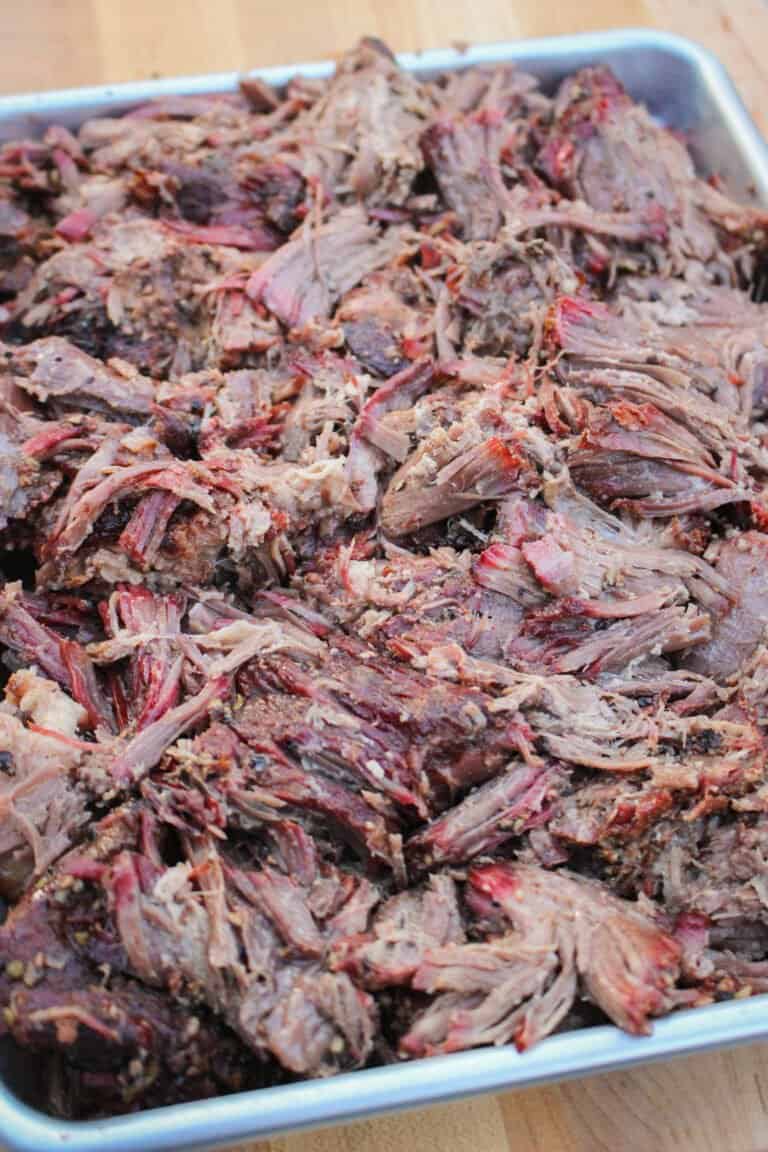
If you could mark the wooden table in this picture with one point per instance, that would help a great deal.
(715, 1103)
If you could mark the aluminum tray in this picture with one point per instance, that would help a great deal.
(687, 88)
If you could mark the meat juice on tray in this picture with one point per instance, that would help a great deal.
(385, 580)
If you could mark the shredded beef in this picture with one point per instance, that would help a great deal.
(384, 583)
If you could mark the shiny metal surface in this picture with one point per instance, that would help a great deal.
(688, 89)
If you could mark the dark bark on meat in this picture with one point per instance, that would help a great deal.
(374, 344)
(243, 943)
(114, 1032)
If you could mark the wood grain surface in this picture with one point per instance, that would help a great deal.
(712, 1103)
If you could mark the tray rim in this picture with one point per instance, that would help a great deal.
(429, 59)
(265, 1112)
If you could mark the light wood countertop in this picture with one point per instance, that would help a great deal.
(713, 1103)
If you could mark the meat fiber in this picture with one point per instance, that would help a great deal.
(54, 371)
(483, 473)
(174, 927)
(739, 626)
(403, 930)
(101, 292)
(119, 1040)
(383, 604)
(361, 138)
(566, 933)
(304, 279)
(608, 150)
(43, 809)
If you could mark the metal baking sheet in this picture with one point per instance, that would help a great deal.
(685, 87)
